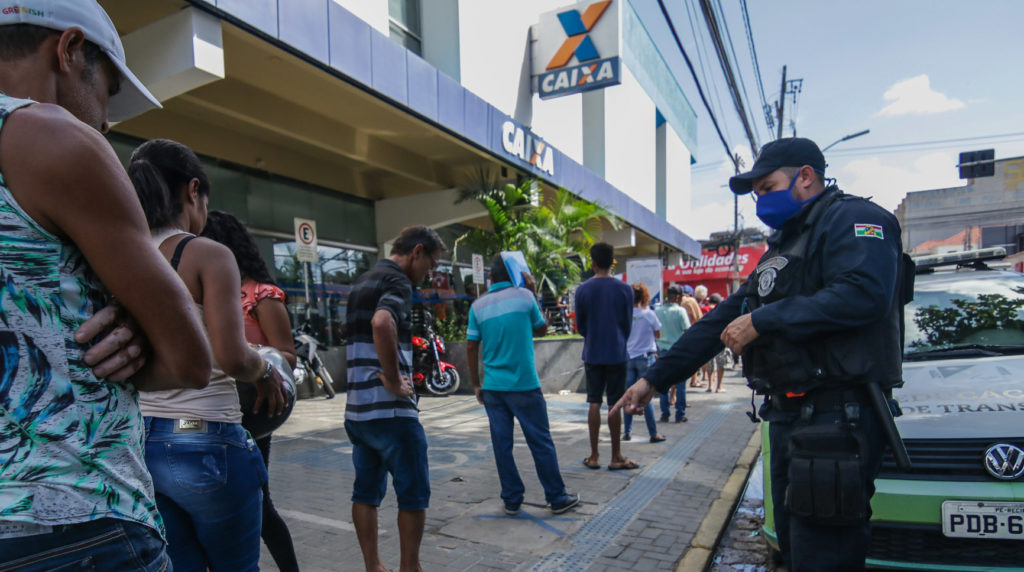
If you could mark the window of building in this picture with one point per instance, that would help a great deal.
(268, 204)
(405, 24)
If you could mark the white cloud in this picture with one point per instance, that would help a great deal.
(915, 96)
(888, 179)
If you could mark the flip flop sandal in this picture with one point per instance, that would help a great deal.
(629, 465)
(591, 465)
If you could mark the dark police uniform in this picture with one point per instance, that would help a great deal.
(826, 302)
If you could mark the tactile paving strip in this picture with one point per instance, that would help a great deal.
(605, 526)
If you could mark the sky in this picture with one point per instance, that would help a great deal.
(928, 78)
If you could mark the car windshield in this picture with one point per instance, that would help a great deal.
(976, 310)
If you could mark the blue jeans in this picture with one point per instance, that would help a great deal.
(103, 544)
(635, 369)
(680, 398)
(531, 410)
(208, 480)
(395, 445)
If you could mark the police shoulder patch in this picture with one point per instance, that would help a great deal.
(868, 230)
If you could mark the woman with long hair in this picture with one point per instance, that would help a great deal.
(207, 472)
(266, 324)
(642, 349)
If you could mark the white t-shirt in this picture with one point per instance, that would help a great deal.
(641, 337)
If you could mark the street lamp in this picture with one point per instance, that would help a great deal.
(846, 138)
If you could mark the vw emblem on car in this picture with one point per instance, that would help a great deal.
(1004, 462)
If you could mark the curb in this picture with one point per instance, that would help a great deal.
(698, 555)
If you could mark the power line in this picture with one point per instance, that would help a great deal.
(916, 145)
(727, 71)
(769, 121)
(736, 60)
(696, 81)
(698, 41)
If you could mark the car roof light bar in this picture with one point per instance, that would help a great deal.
(965, 258)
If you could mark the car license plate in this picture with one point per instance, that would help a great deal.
(983, 519)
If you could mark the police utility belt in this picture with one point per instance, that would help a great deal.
(823, 400)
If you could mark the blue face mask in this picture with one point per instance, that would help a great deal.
(775, 208)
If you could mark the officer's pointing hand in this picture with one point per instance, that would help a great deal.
(739, 333)
(635, 399)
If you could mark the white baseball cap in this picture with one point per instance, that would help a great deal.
(88, 15)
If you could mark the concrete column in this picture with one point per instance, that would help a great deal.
(659, 170)
(178, 53)
(594, 131)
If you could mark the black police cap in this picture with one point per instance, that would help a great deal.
(787, 152)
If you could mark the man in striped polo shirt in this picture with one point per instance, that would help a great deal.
(381, 417)
(502, 323)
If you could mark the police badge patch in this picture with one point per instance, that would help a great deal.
(768, 271)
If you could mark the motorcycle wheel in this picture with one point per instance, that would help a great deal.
(445, 384)
(327, 380)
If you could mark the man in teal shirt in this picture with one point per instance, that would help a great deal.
(502, 324)
(674, 322)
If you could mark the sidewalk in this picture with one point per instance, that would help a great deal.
(629, 520)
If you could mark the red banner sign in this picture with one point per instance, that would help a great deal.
(713, 266)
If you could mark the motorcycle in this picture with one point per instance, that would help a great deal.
(309, 365)
(430, 374)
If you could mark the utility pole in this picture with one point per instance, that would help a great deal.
(781, 105)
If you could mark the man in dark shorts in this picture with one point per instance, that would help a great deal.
(604, 316)
(381, 417)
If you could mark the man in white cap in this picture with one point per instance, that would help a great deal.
(74, 489)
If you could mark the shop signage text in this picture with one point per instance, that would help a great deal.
(575, 51)
(521, 143)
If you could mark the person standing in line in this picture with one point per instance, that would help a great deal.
(674, 321)
(502, 325)
(642, 348)
(74, 482)
(266, 322)
(693, 313)
(819, 325)
(604, 315)
(207, 471)
(381, 417)
(716, 367)
(700, 294)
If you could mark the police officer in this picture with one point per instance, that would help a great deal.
(817, 321)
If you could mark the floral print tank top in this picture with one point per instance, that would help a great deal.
(71, 445)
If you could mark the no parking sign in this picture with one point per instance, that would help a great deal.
(305, 240)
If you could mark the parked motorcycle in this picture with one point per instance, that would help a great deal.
(309, 365)
(430, 374)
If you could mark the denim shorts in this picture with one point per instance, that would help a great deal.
(398, 446)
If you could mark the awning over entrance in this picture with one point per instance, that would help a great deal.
(330, 101)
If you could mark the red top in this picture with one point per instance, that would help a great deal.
(252, 294)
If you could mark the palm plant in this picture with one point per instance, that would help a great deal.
(554, 237)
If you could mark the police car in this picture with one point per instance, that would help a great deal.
(961, 507)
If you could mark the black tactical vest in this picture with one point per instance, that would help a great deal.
(773, 364)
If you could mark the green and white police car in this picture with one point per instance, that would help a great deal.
(961, 507)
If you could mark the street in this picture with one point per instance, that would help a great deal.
(666, 515)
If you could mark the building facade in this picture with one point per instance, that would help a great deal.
(986, 212)
(369, 115)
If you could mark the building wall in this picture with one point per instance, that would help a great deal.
(629, 139)
(985, 202)
(678, 183)
(374, 13)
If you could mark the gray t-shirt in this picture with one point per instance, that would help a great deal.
(641, 337)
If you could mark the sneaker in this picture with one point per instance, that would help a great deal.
(664, 419)
(682, 419)
(512, 509)
(570, 501)
(626, 437)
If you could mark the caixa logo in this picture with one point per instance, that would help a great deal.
(590, 71)
(527, 147)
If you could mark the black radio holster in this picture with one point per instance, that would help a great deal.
(826, 483)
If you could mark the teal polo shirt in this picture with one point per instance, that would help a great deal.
(503, 321)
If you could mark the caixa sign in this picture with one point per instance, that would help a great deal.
(576, 49)
(527, 147)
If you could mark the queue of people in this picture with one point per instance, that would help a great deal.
(126, 340)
